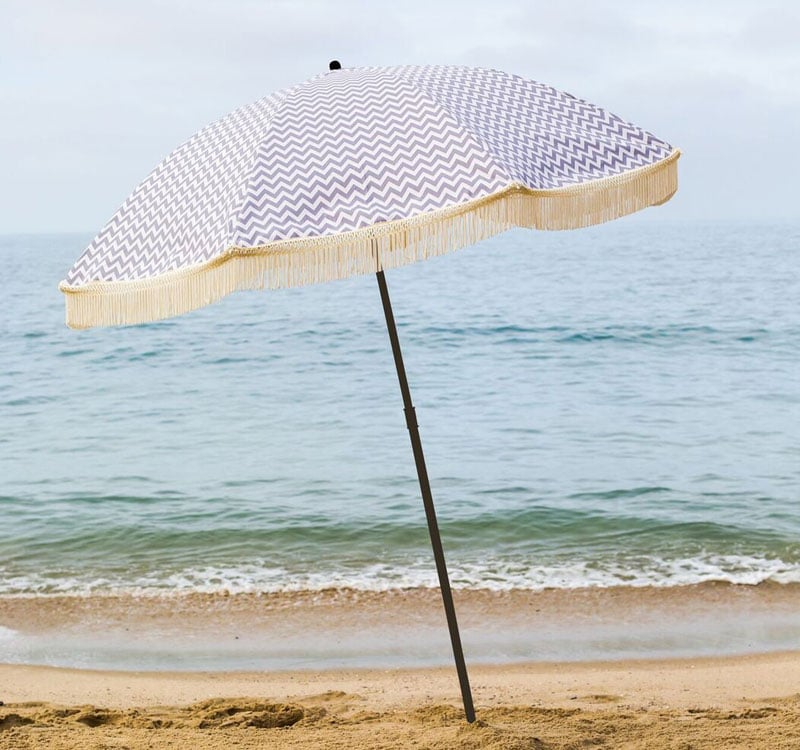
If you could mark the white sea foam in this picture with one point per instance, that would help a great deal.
(7, 634)
(490, 575)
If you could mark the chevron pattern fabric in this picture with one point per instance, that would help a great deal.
(352, 148)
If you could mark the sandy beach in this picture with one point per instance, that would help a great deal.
(740, 702)
(744, 700)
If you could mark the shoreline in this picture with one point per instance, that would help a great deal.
(350, 629)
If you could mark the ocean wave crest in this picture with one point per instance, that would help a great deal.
(496, 575)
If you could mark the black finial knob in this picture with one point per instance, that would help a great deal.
(334, 65)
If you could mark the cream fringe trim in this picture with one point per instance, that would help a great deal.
(385, 245)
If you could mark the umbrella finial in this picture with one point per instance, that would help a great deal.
(334, 65)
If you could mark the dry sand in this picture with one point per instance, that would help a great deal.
(733, 702)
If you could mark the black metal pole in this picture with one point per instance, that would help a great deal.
(427, 499)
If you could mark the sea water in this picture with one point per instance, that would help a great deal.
(617, 406)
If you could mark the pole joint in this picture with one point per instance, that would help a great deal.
(411, 418)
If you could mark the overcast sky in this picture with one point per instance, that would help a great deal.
(96, 92)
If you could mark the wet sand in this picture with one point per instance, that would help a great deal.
(395, 629)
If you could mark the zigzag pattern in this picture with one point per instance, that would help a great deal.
(351, 148)
(344, 157)
(543, 138)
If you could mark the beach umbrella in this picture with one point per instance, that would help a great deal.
(356, 171)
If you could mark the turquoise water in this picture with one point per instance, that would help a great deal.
(613, 406)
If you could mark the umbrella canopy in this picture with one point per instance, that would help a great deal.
(357, 170)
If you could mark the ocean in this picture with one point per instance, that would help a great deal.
(611, 407)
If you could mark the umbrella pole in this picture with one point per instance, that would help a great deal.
(427, 499)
